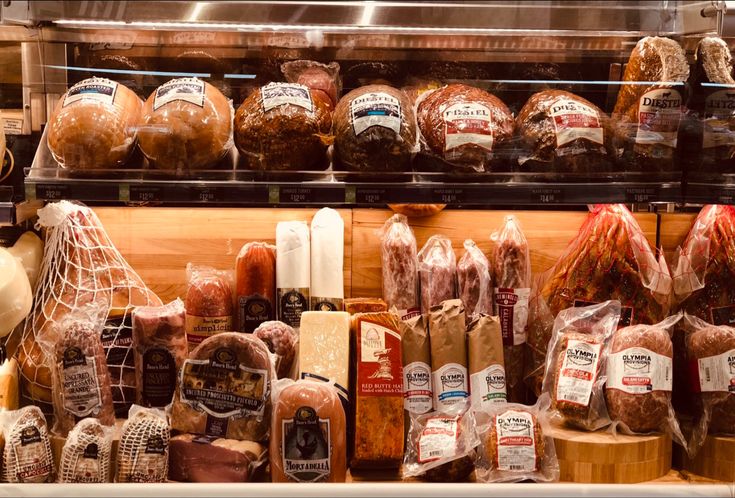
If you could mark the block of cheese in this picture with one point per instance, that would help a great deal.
(9, 384)
(29, 248)
(324, 348)
(195, 458)
(16, 297)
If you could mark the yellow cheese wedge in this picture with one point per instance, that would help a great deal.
(29, 248)
(9, 385)
(15, 292)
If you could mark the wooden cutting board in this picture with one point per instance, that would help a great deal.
(599, 457)
(715, 460)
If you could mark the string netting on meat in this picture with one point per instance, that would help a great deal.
(86, 456)
(27, 456)
(80, 266)
(142, 454)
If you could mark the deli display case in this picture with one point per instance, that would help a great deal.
(362, 248)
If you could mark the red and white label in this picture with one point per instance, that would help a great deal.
(468, 123)
(574, 120)
(578, 372)
(717, 373)
(511, 306)
(379, 367)
(639, 371)
(438, 439)
(516, 442)
(659, 114)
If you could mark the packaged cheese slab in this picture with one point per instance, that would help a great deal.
(27, 453)
(81, 265)
(309, 433)
(142, 455)
(441, 446)
(94, 125)
(378, 392)
(87, 453)
(513, 445)
(159, 342)
(196, 458)
(186, 125)
(576, 365)
(324, 349)
(225, 389)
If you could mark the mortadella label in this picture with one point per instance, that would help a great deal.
(159, 377)
(659, 114)
(80, 388)
(183, 89)
(278, 94)
(467, 123)
(252, 311)
(376, 109)
(379, 367)
(511, 306)
(306, 446)
(574, 120)
(97, 89)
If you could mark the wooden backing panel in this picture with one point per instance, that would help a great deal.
(715, 460)
(159, 242)
(548, 234)
(674, 229)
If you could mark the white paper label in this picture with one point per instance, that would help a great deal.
(150, 461)
(12, 126)
(185, 89)
(717, 373)
(80, 388)
(659, 113)
(277, 94)
(468, 123)
(417, 397)
(101, 90)
(511, 306)
(719, 110)
(376, 109)
(488, 386)
(438, 439)
(578, 372)
(574, 120)
(639, 371)
(516, 442)
(450, 385)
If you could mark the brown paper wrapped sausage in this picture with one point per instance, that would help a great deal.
(417, 393)
(448, 354)
(486, 365)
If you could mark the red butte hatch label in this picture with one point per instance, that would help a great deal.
(574, 120)
(468, 123)
(380, 370)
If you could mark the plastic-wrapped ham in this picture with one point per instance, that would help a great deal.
(400, 266)
(475, 282)
(438, 271)
(282, 341)
(195, 458)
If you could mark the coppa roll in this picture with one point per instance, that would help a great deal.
(293, 271)
(327, 257)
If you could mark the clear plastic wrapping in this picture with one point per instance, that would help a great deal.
(27, 453)
(195, 458)
(474, 281)
(284, 126)
(309, 431)
(81, 265)
(511, 275)
(576, 364)
(321, 78)
(640, 379)
(142, 454)
(609, 258)
(513, 446)
(463, 127)
(282, 341)
(81, 379)
(159, 342)
(208, 304)
(564, 133)
(87, 453)
(186, 126)
(94, 125)
(710, 360)
(441, 445)
(375, 130)
(400, 266)
(225, 389)
(438, 272)
(255, 286)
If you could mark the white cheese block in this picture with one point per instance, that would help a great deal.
(324, 348)
(327, 258)
(29, 248)
(16, 297)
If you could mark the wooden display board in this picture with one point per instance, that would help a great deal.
(714, 460)
(601, 457)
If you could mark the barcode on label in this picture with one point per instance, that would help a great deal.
(516, 467)
(707, 376)
(435, 453)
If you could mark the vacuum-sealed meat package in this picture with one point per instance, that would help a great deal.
(609, 259)
(208, 304)
(400, 266)
(437, 272)
(511, 274)
(474, 281)
(576, 365)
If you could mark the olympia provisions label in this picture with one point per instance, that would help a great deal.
(639, 371)
(450, 385)
(516, 442)
(578, 372)
(488, 386)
